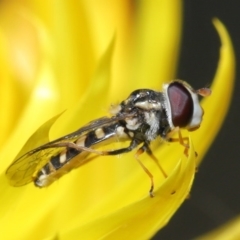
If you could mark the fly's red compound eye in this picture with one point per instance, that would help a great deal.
(181, 103)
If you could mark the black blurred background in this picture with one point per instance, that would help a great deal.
(215, 196)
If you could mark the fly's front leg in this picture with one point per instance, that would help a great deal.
(152, 156)
(184, 141)
(140, 151)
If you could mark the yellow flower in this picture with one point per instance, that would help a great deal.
(81, 57)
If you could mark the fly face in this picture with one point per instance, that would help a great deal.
(143, 116)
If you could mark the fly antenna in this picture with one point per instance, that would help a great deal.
(204, 92)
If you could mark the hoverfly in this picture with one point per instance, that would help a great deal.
(142, 117)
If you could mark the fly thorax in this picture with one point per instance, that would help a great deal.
(152, 120)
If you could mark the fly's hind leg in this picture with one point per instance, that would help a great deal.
(132, 145)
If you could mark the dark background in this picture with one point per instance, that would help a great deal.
(215, 196)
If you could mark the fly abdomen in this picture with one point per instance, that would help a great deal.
(55, 168)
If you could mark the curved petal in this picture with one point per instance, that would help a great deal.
(216, 106)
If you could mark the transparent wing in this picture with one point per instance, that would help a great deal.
(23, 169)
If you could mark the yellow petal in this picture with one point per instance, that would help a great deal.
(8, 96)
(73, 49)
(216, 105)
(20, 61)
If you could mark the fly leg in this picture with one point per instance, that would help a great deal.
(184, 141)
(145, 148)
(141, 150)
(132, 145)
(138, 153)
(153, 157)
